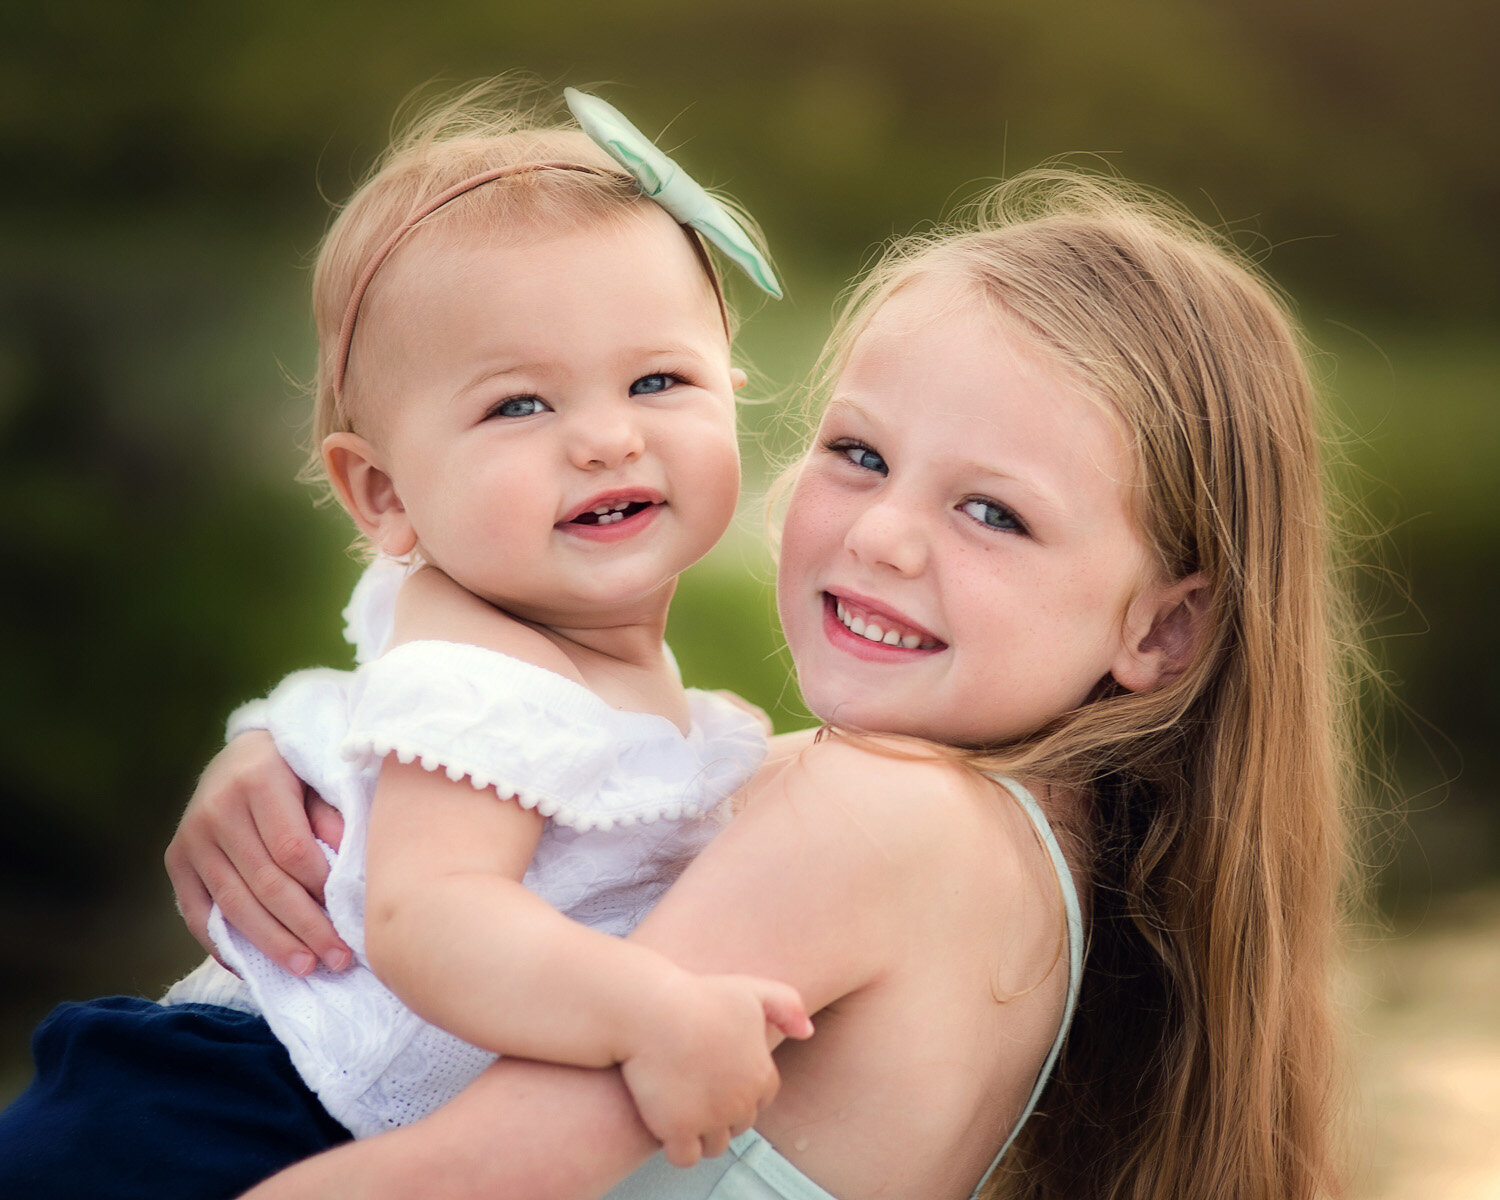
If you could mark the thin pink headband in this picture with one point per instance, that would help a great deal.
(356, 297)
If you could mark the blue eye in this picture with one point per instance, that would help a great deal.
(519, 406)
(992, 515)
(862, 457)
(647, 385)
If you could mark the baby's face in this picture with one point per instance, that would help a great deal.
(555, 412)
(960, 548)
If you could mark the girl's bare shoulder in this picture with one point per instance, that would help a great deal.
(892, 799)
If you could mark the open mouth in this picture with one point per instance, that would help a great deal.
(611, 514)
(880, 628)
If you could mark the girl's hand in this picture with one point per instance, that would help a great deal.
(704, 1071)
(247, 842)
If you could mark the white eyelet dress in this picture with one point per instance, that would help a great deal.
(630, 800)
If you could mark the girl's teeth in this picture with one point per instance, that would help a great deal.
(874, 633)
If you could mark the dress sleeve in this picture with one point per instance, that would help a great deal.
(542, 739)
(370, 614)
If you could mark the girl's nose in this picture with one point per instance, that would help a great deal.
(604, 436)
(886, 535)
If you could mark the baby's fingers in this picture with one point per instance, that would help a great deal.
(683, 1151)
(715, 1143)
(784, 1008)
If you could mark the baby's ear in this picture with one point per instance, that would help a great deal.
(368, 493)
(737, 378)
(1164, 627)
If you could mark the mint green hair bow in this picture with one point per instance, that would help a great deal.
(669, 185)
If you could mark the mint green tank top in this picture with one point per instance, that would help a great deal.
(752, 1169)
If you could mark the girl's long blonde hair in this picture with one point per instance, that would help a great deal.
(1201, 1062)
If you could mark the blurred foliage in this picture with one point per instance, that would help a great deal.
(168, 165)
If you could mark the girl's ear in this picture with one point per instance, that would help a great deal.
(368, 493)
(1164, 627)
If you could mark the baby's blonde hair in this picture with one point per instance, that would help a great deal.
(1201, 1063)
(498, 124)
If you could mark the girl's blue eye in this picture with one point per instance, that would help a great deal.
(646, 385)
(992, 515)
(519, 406)
(863, 457)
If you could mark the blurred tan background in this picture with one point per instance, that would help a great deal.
(165, 165)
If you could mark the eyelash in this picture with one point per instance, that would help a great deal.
(848, 448)
(498, 409)
(673, 380)
(1014, 523)
(843, 447)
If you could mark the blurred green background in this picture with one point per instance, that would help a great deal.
(166, 165)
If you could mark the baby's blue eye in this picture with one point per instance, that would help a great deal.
(519, 406)
(648, 384)
(992, 515)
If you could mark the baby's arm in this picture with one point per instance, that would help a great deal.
(450, 930)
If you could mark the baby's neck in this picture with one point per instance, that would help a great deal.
(619, 656)
(626, 666)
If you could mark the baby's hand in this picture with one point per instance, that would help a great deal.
(246, 842)
(700, 1076)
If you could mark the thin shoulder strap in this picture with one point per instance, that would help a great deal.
(1075, 959)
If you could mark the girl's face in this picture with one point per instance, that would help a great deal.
(555, 415)
(960, 557)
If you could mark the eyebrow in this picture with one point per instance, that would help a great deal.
(486, 374)
(543, 368)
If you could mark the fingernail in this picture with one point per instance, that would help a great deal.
(339, 960)
(302, 963)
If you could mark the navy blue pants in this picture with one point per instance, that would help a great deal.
(136, 1101)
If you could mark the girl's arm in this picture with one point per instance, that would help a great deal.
(808, 884)
(497, 980)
